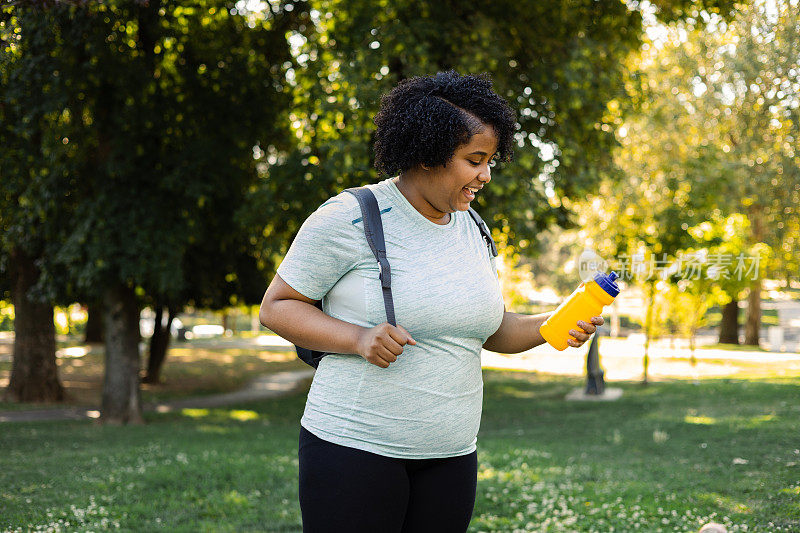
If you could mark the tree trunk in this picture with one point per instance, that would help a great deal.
(94, 323)
(159, 343)
(225, 322)
(255, 324)
(648, 324)
(614, 321)
(34, 373)
(729, 325)
(752, 326)
(121, 395)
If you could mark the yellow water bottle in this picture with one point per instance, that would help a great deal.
(585, 302)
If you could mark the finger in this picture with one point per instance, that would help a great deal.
(598, 320)
(409, 338)
(574, 343)
(387, 355)
(588, 328)
(392, 345)
(402, 336)
(378, 361)
(580, 336)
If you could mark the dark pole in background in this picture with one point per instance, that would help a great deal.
(594, 374)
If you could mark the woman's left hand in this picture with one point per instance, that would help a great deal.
(582, 335)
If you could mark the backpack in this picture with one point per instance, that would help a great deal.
(373, 230)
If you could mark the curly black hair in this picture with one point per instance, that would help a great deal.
(424, 119)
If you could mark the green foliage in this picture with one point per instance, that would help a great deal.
(719, 238)
(154, 112)
(35, 159)
(559, 65)
(131, 126)
(6, 316)
(674, 10)
(704, 156)
(724, 107)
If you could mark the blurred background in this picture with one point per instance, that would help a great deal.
(157, 158)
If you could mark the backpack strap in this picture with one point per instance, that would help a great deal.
(373, 229)
(485, 233)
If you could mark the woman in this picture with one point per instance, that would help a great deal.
(388, 436)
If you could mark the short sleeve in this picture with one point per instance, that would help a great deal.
(327, 246)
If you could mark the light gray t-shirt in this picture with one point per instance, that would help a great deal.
(446, 294)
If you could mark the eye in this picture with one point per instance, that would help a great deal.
(473, 163)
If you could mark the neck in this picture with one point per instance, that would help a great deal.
(410, 187)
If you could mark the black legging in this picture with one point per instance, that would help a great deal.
(343, 489)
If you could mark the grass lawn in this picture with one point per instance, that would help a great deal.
(667, 457)
(193, 368)
(732, 347)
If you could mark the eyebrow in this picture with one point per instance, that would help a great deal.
(481, 153)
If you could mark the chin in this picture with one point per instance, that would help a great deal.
(460, 206)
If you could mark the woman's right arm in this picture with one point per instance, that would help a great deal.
(294, 317)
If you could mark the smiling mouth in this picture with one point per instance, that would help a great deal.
(469, 192)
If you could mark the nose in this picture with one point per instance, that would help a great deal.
(486, 174)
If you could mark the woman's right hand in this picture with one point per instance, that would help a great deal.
(382, 344)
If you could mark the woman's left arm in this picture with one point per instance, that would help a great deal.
(518, 333)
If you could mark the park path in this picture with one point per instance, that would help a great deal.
(262, 388)
(620, 358)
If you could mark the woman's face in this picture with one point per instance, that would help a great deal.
(453, 186)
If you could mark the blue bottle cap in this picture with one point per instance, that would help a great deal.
(607, 283)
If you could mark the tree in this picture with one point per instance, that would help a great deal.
(762, 125)
(738, 86)
(231, 276)
(639, 224)
(559, 64)
(94, 323)
(220, 267)
(690, 300)
(706, 143)
(723, 263)
(163, 105)
(31, 166)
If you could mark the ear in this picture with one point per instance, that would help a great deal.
(426, 168)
